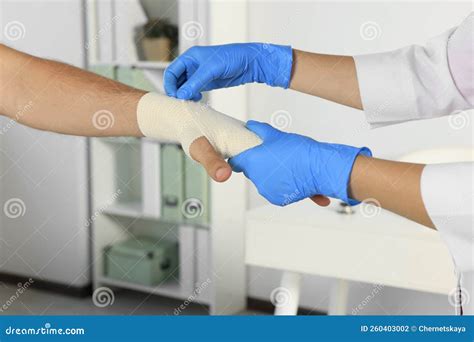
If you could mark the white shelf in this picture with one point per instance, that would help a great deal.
(130, 209)
(122, 140)
(134, 210)
(149, 65)
(169, 288)
(135, 141)
(156, 141)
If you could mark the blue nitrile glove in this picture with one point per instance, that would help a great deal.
(289, 167)
(203, 68)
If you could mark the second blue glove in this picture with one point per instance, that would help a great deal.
(289, 167)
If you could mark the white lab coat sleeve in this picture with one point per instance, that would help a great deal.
(461, 56)
(448, 195)
(411, 83)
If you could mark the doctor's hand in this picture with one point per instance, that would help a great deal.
(288, 167)
(222, 66)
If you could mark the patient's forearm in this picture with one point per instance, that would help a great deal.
(53, 96)
(395, 185)
(56, 97)
(330, 77)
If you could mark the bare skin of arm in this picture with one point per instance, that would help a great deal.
(330, 77)
(57, 97)
(395, 185)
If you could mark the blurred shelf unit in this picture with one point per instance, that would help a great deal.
(144, 65)
(144, 188)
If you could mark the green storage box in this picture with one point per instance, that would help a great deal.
(104, 70)
(141, 260)
(125, 75)
(140, 81)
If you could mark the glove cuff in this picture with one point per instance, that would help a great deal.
(345, 194)
(336, 170)
(276, 61)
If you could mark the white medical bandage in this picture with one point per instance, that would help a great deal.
(168, 119)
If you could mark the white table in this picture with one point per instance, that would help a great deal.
(383, 249)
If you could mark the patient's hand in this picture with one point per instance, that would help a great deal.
(203, 152)
(288, 167)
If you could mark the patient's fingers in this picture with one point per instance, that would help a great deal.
(321, 200)
(203, 152)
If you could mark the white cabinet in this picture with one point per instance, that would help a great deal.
(47, 172)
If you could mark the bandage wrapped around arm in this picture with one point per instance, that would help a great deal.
(168, 119)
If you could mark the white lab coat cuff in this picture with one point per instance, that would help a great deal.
(447, 191)
(448, 196)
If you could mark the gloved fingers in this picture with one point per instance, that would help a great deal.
(191, 89)
(182, 79)
(321, 200)
(197, 97)
(203, 152)
(173, 75)
(262, 129)
(236, 163)
(241, 160)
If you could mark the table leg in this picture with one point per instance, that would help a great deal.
(286, 297)
(338, 297)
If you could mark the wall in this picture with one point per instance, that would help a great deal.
(334, 27)
(47, 172)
